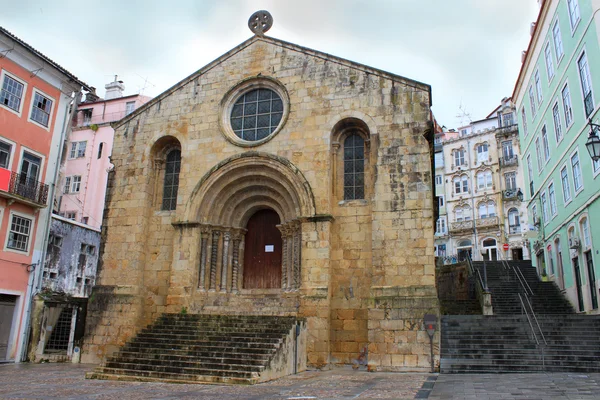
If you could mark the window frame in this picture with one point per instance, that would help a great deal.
(510, 177)
(580, 175)
(441, 180)
(568, 121)
(538, 153)
(482, 153)
(77, 149)
(32, 105)
(552, 200)
(532, 101)
(557, 34)
(567, 198)
(32, 221)
(545, 144)
(538, 87)
(172, 199)
(524, 118)
(11, 155)
(459, 155)
(558, 133)
(3, 74)
(581, 55)
(549, 62)
(570, 12)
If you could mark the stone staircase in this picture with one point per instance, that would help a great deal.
(206, 349)
(505, 342)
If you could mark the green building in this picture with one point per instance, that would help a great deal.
(557, 92)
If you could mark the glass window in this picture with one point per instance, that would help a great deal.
(77, 149)
(532, 100)
(558, 46)
(354, 167)
(557, 124)
(482, 152)
(577, 179)
(5, 150)
(11, 93)
(40, 112)
(549, 62)
(484, 180)
(438, 180)
(538, 154)
(256, 114)
(75, 184)
(524, 118)
(564, 178)
(487, 210)
(171, 183)
(510, 180)
(586, 84)
(129, 107)
(573, 12)
(585, 231)
(18, 237)
(545, 207)
(441, 225)
(67, 188)
(552, 199)
(507, 150)
(546, 144)
(530, 171)
(459, 157)
(566, 96)
(538, 87)
(513, 218)
(441, 201)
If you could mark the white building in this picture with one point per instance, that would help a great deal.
(482, 184)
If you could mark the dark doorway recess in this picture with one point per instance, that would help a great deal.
(262, 252)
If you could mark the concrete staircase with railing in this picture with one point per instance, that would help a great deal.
(553, 338)
(209, 349)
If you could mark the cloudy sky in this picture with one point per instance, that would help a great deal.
(469, 51)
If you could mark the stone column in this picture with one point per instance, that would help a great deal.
(290, 257)
(297, 258)
(213, 260)
(235, 263)
(203, 259)
(225, 261)
(284, 256)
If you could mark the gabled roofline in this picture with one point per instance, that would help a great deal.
(279, 42)
(47, 60)
(528, 55)
(83, 105)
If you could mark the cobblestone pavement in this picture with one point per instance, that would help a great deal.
(66, 381)
(517, 386)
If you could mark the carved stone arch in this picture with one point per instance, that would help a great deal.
(236, 182)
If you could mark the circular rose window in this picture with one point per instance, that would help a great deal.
(256, 114)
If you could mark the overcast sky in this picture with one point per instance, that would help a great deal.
(469, 51)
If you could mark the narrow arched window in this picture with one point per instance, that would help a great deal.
(171, 185)
(354, 167)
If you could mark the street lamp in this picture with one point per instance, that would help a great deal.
(520, 195)
(483, 252)
(593, 142)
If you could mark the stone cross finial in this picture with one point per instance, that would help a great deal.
(260, 22)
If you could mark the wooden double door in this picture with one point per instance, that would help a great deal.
(262, 251)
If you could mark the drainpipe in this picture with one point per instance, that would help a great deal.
(35, 278)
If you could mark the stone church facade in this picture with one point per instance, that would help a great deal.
(276, 180)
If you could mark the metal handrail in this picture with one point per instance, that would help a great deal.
(476, 272)
(524, 311)
(536, 320)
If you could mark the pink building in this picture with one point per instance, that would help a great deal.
(84, 176)
(35, 97)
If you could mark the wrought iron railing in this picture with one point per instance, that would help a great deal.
(461, 226)
(508, 161)
(510, 194)
(514, 229)
(487, 222)
(28, 188)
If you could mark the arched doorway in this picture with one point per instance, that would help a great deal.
(464, 250)
(262, 252)
(490, 249)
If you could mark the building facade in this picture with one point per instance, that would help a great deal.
(35, 96)
(277, 180)
(482, 183)
(87, 161)
(556, 95)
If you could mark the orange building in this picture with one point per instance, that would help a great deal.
(35, 99)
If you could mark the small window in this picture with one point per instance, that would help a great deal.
(564, 178)
(459, 157)
(11, 94)
(171, 183)
(524, 119)
(354, 167)
(510, 180)
(549, 62)
(78, 149)
(100, 148)
(71, 215)
(566, 96)
(78, 279)
(53, 275)
(557, 123)
(546, 144)
(5, 150)
(87, 116)
(532, 101)
(586, 84)
(85, 220)
(129, 107)
(573, 6)
(20, 230)
(482, 152)
(40, 112)
(558, 46)
(538, 87)
(438, 180)
(441, 201)
(577, 178)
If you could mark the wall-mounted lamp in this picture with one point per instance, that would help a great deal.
(593, 142)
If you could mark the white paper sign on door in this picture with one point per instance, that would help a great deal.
(269, 248)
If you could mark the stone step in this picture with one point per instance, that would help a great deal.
(214, 336)
(198, 346)
(143, 368)
(148, 376)
(236, 357)
(151, 363)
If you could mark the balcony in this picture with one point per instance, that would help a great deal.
(513, 194)
(505, 130)
(509, 161)
(84, 119)
(487, 222)
(514, 229)
(461, 226)
(18, 188)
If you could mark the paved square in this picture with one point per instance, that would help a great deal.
(66, 381)
(517, 386)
